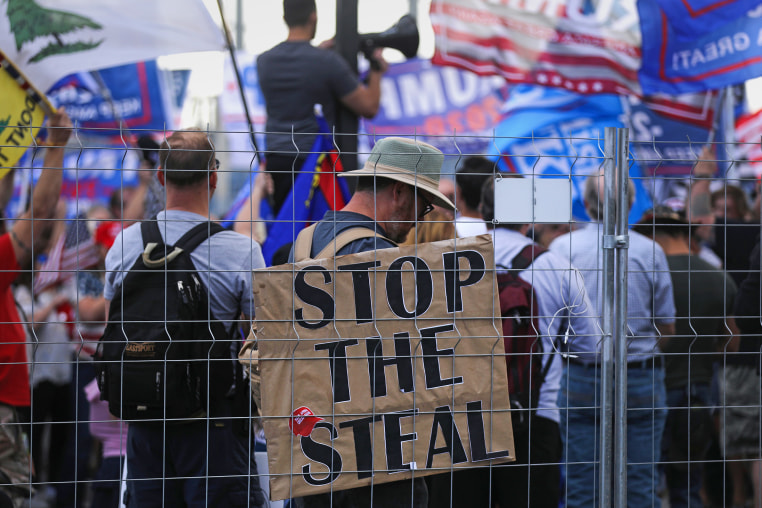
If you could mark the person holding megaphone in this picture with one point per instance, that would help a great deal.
(294, 76)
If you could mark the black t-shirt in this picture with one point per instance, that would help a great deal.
(733, 243)
(703, 295)
(293, 77)
(748, 312)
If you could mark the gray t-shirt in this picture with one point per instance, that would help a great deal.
(293, 77)
(224, 263)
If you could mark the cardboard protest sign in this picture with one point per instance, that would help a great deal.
(382, 365)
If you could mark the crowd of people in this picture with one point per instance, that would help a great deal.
(692, 359)
(693, 320)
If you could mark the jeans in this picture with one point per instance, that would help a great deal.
(192, 465)
(685, 441)
(579, 402)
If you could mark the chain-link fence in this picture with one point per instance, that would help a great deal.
(623, 310)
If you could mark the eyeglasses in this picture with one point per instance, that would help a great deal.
(427, 207)
(424, 209)
(216, 164)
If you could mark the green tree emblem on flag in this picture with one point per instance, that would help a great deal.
(30, 21)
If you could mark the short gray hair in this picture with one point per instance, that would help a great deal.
(592, 195)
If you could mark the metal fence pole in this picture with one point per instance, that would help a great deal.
(613, 458)
(620, 324)
(607, 321)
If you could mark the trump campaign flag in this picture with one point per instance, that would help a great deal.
(562, 44)
(553, 133)
(50, 39)
(697, 45)
(137, 95)
(450, 108)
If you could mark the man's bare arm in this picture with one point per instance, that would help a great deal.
(699, 204)
(366, 99)
(28, 227)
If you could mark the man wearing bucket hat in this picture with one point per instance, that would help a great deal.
(397, 186)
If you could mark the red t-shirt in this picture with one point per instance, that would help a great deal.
(14, 374)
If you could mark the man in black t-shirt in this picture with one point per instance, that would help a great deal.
(294, 76)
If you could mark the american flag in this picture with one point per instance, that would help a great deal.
(74, 250)
(542, 43)
(748, 146)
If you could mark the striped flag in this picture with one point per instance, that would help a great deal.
(749, 146)
(74, 250)
(547, 43)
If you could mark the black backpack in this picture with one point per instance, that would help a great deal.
(521, 335)
(163, 356)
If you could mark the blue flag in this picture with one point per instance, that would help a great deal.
(555, 133)
(316, 190)
(684, 52)
(139, 98)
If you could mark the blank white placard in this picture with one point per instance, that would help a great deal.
(530, 199)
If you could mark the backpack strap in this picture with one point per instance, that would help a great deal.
(303, 244)
(345, 238)
(188, 242)
(523, 259)
(526, 256)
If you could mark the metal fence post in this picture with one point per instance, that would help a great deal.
(613, 458)
(620, 324)
(607, 322)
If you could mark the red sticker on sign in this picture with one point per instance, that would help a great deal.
(302, 421)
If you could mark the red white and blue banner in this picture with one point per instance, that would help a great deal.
(141, 96)
(595, 47)
(563, 43)
(748, 149)
(90, 177)
(697, 45)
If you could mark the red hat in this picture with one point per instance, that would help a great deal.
(106, 233)
(302, 421)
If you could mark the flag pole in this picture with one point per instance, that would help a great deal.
(231, 50)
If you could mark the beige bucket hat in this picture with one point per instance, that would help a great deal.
(405, 160)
